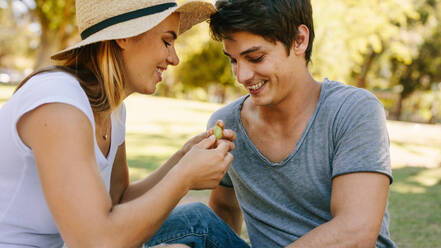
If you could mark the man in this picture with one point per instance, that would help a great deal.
(312, 166)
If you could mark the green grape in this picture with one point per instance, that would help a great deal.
(217, 131)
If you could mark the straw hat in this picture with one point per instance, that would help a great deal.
(100, 20)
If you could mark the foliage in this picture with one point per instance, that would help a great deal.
(17, 41)
(208, 66)
(350, 32)
(388, 45)
(57, 20)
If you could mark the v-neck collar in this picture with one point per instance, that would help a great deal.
(112, 135)
(299, 143)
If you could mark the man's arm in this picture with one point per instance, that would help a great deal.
(358, 203)
(224, 203)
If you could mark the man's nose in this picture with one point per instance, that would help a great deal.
(243, 73)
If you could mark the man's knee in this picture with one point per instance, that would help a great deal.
(199, 210)
(171, 246)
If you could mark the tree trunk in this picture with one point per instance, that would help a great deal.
(49, 44)
(361, 81)
(54, 39)
(398, 108)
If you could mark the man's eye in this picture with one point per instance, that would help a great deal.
(256, 60)
(167, 44)
(233, 61)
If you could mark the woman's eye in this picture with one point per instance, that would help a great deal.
(167, 44)
(232, 61)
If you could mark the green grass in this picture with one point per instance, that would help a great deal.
(415, 207)
(157, 127)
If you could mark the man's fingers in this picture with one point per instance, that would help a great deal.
(220, 123)
(229, 134)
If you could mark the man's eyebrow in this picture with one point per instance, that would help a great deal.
(173, 33)
(250, 50)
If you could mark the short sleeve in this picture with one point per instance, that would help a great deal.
(50, 87)
(362, 141)
(226, 181)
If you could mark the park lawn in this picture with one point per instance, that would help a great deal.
(157, 127)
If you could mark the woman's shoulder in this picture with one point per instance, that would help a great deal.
(51, 81)
(51, 87)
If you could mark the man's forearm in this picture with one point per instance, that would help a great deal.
(234, 219)
(339, 234)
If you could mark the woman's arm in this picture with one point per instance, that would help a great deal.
(61, 139)
(123, 191)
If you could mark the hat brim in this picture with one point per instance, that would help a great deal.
(191, 13)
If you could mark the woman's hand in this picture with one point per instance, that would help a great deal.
(227, 134)
(204, 166)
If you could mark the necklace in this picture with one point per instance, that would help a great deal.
(107, 128)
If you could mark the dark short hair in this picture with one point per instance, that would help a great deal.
(274, 20)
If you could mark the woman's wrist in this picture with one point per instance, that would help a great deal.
(179, 176)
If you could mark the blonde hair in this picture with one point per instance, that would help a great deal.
(99, 68)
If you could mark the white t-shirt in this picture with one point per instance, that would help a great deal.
(25, 220)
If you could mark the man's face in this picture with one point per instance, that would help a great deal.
(263, 67)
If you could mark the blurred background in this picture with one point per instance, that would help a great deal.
(390, 47)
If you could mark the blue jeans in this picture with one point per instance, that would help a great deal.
(197, 226)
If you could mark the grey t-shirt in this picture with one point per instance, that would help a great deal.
(283, 201)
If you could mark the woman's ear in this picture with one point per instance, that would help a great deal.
(302, 41)
(122, 43)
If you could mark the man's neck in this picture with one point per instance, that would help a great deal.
(299, 104)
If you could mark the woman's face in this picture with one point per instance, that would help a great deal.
(147, 56)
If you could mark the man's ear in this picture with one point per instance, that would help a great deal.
(122, 43)
(302, 40)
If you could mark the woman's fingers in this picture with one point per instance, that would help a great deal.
(224, 146)
(207, 142)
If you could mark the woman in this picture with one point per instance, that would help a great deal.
(63, 168)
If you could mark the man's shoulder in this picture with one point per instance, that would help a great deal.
(339, 93)
(228, 112)
(339, 96)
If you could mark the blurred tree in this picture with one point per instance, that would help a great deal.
(354, 33)
(187, 45)
(422, 69)
(17, 40)
(378, 44)
(205, 67)
(57, 21)
(425, 69)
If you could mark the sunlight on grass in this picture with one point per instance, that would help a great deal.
(429, 178)
(158, 127)
(418, 182)
(407, 188)
(138, 173)
(414, 204)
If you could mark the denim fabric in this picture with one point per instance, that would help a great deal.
(197, 226)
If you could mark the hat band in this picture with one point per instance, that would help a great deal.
(125, 17)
